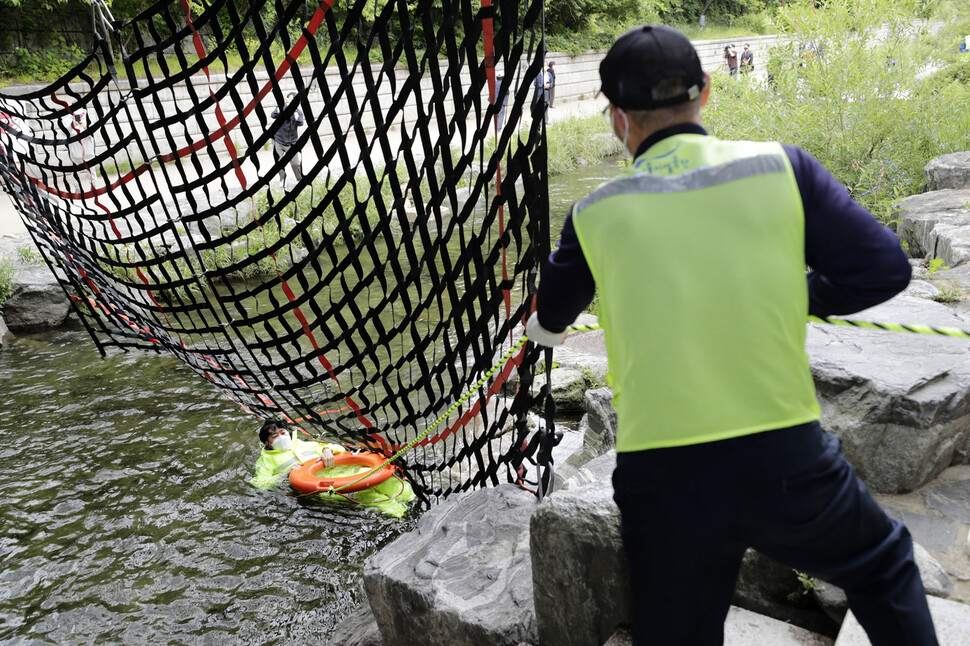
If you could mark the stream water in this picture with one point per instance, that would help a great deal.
(127, 515)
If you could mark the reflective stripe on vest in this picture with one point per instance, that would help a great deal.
(698, 256)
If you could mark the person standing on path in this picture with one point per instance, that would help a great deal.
(545, 83)
(747, 59)
(731, 56)
(81, 150)
(551, 72)
(286, 137)
(499, 83)
(698, 252)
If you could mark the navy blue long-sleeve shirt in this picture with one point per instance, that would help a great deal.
(855, 261)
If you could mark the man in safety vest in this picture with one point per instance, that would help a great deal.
(698, 251)
(283, 450)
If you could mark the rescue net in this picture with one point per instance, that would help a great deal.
(355, 273)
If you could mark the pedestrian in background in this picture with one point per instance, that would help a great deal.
(286, 137)
(747, 59)
(552, 85)
(81, 150)
(731, 57)
(545, 83)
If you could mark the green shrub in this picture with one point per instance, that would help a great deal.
(862, 107)
(47, 64)
(6, 279)
(27, 256)
(580, 138)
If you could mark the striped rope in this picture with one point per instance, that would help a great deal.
(869, 325)
(893, 327)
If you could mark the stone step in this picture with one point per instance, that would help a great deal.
(744, 627)
(951, 618)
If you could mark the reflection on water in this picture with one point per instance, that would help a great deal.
(127, 517)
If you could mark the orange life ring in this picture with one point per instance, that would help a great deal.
(304, 478)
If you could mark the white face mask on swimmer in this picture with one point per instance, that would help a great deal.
(282, 443)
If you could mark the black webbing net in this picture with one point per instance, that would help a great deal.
(354, 258)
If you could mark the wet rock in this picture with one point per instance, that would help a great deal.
(580, 363)
(567, 387)
(948, 171)
(37, 301)
(4, 332)
(899, 402)
(462, 578)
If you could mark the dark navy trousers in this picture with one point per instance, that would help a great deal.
(688, 514)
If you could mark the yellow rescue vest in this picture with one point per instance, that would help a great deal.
(698, 254)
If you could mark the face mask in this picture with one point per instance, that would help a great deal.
(282, 443)
(626, 131)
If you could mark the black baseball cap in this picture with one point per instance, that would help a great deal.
(641, 58)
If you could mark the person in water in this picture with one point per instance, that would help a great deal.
(283, 449)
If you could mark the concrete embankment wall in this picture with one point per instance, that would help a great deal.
(578, 77)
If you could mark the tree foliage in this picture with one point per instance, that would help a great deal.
(854, 87)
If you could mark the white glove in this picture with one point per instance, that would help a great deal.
(540, 335)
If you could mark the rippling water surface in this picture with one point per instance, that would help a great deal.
(127, 517)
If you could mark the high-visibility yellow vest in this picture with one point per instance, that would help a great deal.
(698, 254)
(272, 465)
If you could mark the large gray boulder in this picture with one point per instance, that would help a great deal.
(4, 332)
(899, 402)
(579, 566)
(37, 301)
(463, 577)
(948, 171)
(936, 225)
